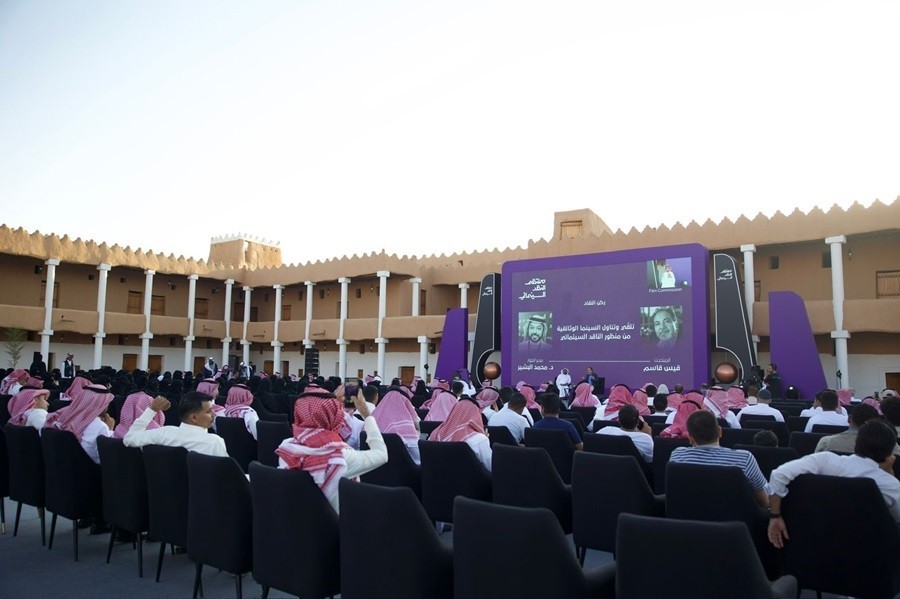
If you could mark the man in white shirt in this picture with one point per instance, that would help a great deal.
(828, 401)
(197, 417)
(511, 417)
(632, 426)
(873, 458)
(762, 408)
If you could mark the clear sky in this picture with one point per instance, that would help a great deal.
(420, 127)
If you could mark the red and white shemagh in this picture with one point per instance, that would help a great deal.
(238, 402)
(395, 414)
(440, 409)
(620, 396)
(719, 399)
(463, 422)
(530, 396)
(208, 387)
(23, 401)
(317, 446)
(844, 396)
(84, 410)
(12, 378)
(135, 405)
(487, 397)
(674, 400)
(584, 398)
(75, 388)
(678, 429)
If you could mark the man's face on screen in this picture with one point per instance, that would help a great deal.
(664, 325)
(535, 331)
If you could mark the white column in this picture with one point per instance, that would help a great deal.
(276, 344)
(839, 335)
(463, 295)
(101, 312)
(750, 288)
(416, 281)
(244, 342)
(52, 263)
(307, 342)
(226, 342)
(146, 336)
(342, 343)
(382, 312)
(189, 340)
(423, 356)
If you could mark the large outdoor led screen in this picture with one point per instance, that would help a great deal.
(635, 317)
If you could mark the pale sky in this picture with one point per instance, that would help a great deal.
(342, 127)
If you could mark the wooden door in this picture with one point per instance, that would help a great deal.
(129, 362)
(406, 374)
(892, 380)
(285, 368)
(155, 363)
(267, 366)
(199, 361)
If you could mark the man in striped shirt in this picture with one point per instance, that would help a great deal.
(704, 433)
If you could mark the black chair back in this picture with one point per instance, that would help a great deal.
(417, 565)
(770, 458)
(450, 469)
(167, 496)
(576, 422)
(756, 418)
(598, 424)
(427, 427)
(669, 540)
(662, 449)
(805, 443)
(732, 436)
(829, 429)
(518, 534)
(656, 418)
(557, 444)
(719, 494)
(586, 414)
(603, 486)
(73, 480)
(239, 443)
(779, 428)
(501, 435)
(26, 471)
(269, 437)
(857, 553)
(399, 471)
(220, 516)
(618, 445)
(287, 506)
(796, 423)
(526, 477)
(535, 414)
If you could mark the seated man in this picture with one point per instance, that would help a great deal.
(828, 401)
(704, 433)
(845, 442)
(551, 420)
(511, 417)
(197, 417)
(890, 407)
(29, 407)
(632, 426)
(87, 418)
(661, 404)
(872, 457)
(763, 407)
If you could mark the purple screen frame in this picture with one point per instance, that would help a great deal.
(605, 277)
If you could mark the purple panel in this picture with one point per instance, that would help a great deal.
(793, 347)
(601, 311)
(454, 344)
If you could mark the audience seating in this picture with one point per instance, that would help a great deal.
(843, 539)
(770, 458)
(4, 479)
(779, 428)
(662, 449)
(586, 414)
(269, 437)
(26, 472)
(492, 544)
(220, 517)
(575, 419)
(167, 497)
(731, 436)
(288, 507)
(500, 435)
(427, 427)
(657, 428)
(719, 494)
(603, 486)
(73, 481)
(389, 547)
(796, 423)
(535, 414)
(829, 429)
(805, 443)
(668, 543)
(598, 424)
(239, 443)
(655, 418)
(449, 470)
(525, 477)
(400, 469)
(556, 443)
(756, 418)
(124, 493)
(618, 445)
